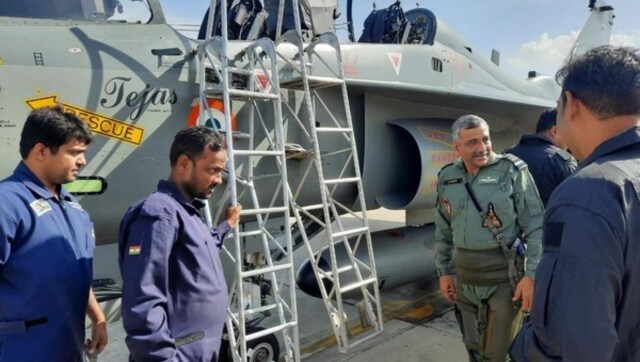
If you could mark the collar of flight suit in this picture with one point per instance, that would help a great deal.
(626, 138)
(23, 174)
(169, 188)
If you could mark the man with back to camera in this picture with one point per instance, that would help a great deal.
(486, 204)
(588, 281)
(174, 295)
(544, 153)
(46, 247)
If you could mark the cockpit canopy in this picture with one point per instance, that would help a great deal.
(249, 19)
(393, 25)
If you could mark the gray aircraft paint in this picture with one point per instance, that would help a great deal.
(110, 70)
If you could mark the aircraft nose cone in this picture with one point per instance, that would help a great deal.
(307, 281)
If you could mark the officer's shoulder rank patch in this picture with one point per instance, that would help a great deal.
(76, 206)
(492, 218)
(445, 167)
(564, 155)
(135, 249)
(40, 206)
(521, 165)
(453, 181)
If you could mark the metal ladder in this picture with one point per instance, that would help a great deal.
(250, 77)
(332, 129)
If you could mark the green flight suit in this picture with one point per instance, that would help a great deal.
(505, 190)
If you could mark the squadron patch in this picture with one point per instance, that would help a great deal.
(552, 237)
(135, 249)
(446, 205)
(492, 219)
(40, 207)
(453, 181)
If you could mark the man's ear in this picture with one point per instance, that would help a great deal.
(184, 162)
(572, 106)
(40, 152)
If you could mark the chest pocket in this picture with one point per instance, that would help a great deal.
(195, 253)
(496, 188)
(83, 229)
(456, 197)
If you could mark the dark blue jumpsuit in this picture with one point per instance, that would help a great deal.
(548, 164)
(174, 295)
(586, 304)
(46, 251)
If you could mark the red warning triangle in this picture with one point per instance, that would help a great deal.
(262, 79)
(396, 61)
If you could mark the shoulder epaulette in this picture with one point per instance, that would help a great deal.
(564, 154)
(521, 165)
(445, 166)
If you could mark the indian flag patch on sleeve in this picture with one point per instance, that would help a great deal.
(135, 249)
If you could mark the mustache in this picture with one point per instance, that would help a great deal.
(480, 154)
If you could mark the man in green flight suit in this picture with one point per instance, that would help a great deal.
(487, 204)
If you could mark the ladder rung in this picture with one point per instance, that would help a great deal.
(350, 232)
(342, 180)
(264, 332)
(266, 210)
(257, 153)
(269, 269)
(234, 70)
(240, 135)
(260, 309)
(312, 207)
(345, 268)
(329, 273)
(333, 129)
(241, 94)
(357, 285)
(374, 334)
(314, 82)
(251, 233)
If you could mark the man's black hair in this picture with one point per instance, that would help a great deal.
(547, 120)
(605, 79)
(52, 127)
(192, 142)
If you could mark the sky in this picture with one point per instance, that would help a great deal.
(529, 34)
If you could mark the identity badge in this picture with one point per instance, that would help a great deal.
(40, 207)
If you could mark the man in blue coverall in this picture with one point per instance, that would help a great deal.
(174, 295)
(544, 153)
(46, 247)
(587, 284)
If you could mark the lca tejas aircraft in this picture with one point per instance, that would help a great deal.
(136, 81)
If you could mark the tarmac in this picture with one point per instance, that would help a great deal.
(418, 324)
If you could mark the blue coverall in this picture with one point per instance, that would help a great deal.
(46, 256)
(548, 164)
(586, 304)
(174, 296)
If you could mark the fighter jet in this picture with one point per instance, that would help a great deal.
(409, 91)
(133, 78)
